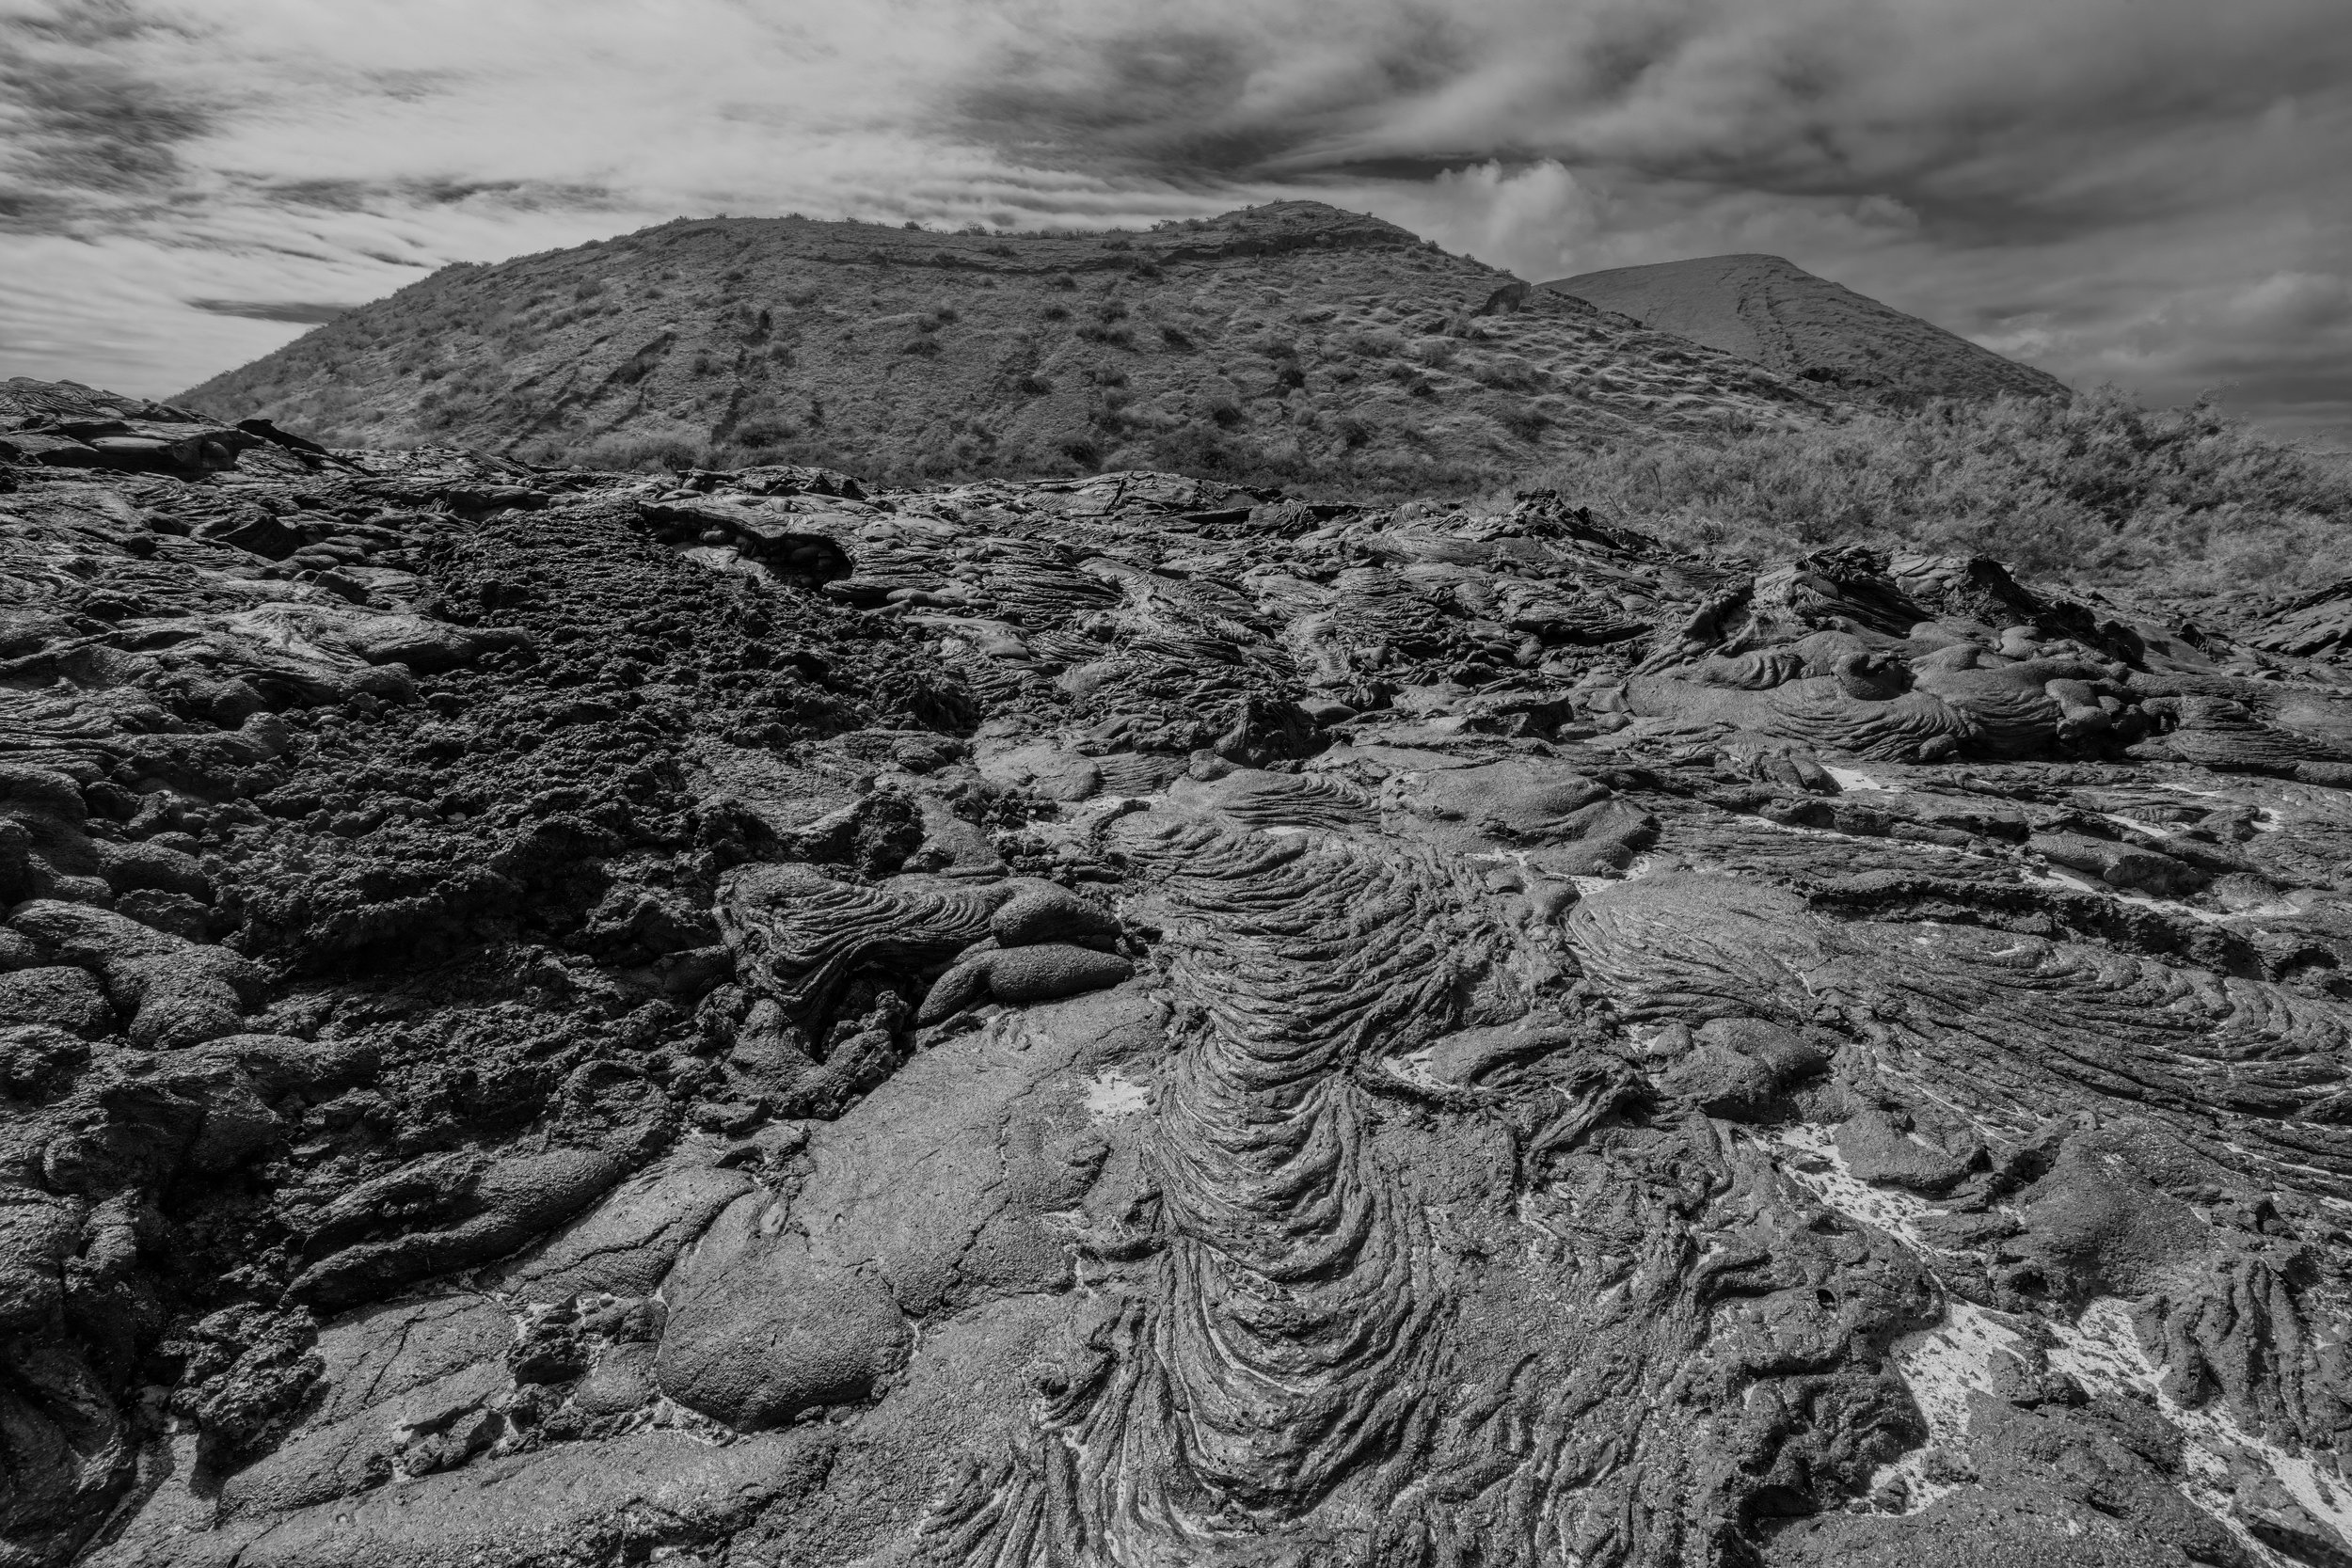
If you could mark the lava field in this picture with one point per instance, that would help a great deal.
(554, 1017)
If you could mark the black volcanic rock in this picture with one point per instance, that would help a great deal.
(66, 424)
(1813, 331)
(579, 1017)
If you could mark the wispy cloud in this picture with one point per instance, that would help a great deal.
(2151, 191)
(306, 313)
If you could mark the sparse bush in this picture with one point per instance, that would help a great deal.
(764, 430)
(1194, 451)
(1523, 420)
(1056, 314)
(1175, 337)
(1061, 281)
(2182, 501)
(1225, 412)
(922, 348)
(640, 453)
(1083, 450)
(1032, 386)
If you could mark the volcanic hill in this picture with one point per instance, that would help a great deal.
(1281, 343)
(1807, 328)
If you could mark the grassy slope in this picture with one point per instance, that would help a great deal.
(1290, 343)
(2183, 505)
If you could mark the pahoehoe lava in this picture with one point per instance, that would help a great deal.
(553, 1017)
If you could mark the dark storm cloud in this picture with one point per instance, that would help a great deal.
(2118, 189)
(1178, 102)
(360, 196)
(1978, 109)
(88, 136)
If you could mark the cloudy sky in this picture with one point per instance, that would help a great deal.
(2155, 193)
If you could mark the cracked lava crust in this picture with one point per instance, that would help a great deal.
(559, 1018)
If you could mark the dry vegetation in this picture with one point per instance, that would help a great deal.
(1291, 343)
(2182, 502)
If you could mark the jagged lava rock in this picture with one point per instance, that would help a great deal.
(552, 1016)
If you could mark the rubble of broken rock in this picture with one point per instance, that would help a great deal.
(561, 1017)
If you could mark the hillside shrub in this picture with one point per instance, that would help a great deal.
(763, 431)
(639, 454)
(2180, 501)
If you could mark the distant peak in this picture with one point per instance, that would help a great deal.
(1751, 263)
(1769, 309)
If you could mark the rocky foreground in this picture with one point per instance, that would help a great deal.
(561, 1017)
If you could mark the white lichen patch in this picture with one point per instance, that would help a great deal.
(1413, 1067)
(1642, 866)
(1943, 1366)
(1808, 1151)
(2075, 882)
(1113, 1094)
(1946, 1364)
(1851, 780)
(727, 558)
(2103, 1353)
